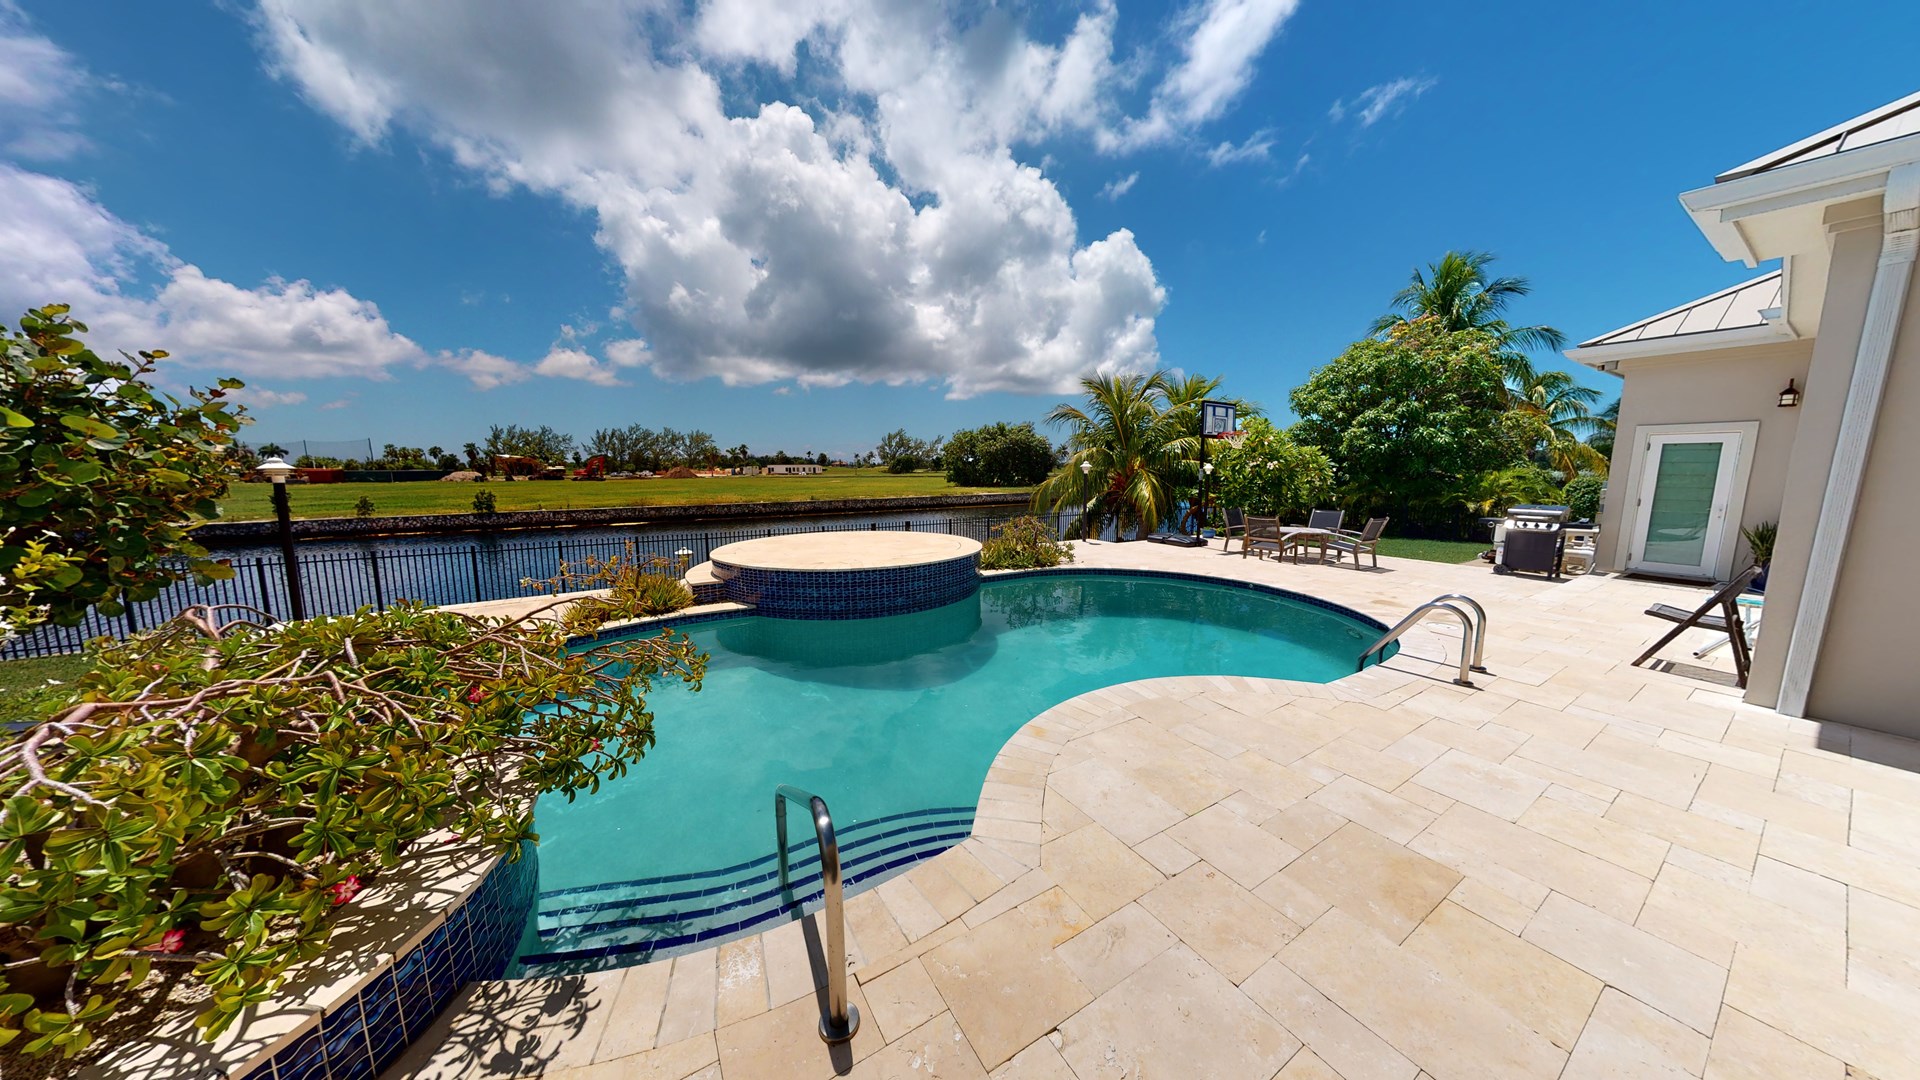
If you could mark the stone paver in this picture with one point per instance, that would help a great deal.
(1575, 869)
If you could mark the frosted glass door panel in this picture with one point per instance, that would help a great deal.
(1681, 516)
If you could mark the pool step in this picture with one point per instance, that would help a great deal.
(637, 919)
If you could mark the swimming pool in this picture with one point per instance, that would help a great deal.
(894, 721)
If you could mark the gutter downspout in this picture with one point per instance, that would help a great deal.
(1872, 361)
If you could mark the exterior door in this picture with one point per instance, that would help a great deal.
(1681, 515)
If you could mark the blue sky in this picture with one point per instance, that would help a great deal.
(756, 217)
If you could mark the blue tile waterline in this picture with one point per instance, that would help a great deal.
(882, 717)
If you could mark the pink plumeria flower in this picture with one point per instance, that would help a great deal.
(170, 942)
(475, 695)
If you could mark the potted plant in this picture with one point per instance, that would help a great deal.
(1760, 538)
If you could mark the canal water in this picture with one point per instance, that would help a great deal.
(341, 576)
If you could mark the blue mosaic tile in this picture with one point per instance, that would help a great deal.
(851, 594)
(368, 1032)
(306, 1059)
(344, 1030)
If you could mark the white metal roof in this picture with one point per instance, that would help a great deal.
(1742, 306)
(1892, 121)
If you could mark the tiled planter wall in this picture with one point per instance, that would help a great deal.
(365, 1033)
(850, 594)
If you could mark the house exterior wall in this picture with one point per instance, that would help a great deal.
(1866, 674)
(1855, 254)
(1724, 386)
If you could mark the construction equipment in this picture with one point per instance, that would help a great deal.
(595, 468)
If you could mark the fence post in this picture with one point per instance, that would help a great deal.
(473, 559)
(266, 596)
(379, 592)
(133, 624)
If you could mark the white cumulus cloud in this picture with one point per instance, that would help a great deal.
(860, 217)
(575, 364)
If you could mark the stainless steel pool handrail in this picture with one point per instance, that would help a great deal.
(841, 1019)
(1414, 616)
(1479, 626)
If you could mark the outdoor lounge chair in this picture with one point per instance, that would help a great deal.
(1727, 622)
(1348, 542)
(1236, 522)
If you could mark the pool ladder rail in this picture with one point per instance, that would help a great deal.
(841, 1020)
(1473, 633)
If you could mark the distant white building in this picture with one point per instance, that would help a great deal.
(794, 470)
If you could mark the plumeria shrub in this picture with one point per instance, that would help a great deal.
(216, 796)
(1270, 474)
(633, 586)
(1023, 543)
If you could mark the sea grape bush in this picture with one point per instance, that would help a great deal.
(101, 476)
(216, 794)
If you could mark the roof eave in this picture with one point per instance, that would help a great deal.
(1718, 210)
(1602, 357)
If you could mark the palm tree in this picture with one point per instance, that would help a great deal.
(1140, 450)
(1604, 423)
(1560, 411)
(1463, 297)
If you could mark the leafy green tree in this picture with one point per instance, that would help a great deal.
(101, 476)
(902, 453)
(542, 443)
(1582, 496)
(1409, 420)
(1459, 293)
(1270, 474)
(998, 455)
(1141, 453)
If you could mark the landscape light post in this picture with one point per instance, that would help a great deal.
(279, 472)
(1086, 507)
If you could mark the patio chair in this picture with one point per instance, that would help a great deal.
(1236, 522)
(1725, 598)
(1330, 520)
(1348, 542)
(1262, 534)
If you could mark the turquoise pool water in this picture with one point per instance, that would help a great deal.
(894, 721)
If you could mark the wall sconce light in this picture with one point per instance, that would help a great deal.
(1789, 397)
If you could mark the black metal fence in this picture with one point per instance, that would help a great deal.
(338, 581)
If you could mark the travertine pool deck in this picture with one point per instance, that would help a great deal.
(1578, 869)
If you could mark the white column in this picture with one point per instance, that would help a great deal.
(1885, 306)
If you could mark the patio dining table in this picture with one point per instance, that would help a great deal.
(1288, 538)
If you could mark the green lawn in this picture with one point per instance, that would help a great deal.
(252, 502)
(1447, 551)
(24, 692)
